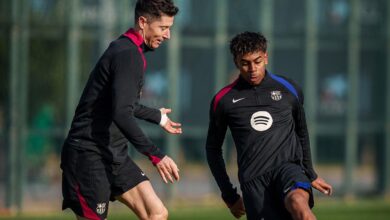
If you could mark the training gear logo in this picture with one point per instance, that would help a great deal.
(237, 100)
(101, 208)
(276, 95)
(286, 190)
(261, 121)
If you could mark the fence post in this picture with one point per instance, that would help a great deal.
(72, 59)
(387, 125)
(311, 72)
(353, 92)
(173, 70)
(14, 134)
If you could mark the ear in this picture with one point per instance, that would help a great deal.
(142, 21)
(266, 58)
(236, 62)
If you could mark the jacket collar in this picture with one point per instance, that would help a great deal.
(243, 83)
(137, 39)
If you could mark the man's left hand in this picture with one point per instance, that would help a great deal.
(238, 208)
(322, 186)
(170, 126)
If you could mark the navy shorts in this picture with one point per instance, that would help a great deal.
(89, 182)
(264, 195)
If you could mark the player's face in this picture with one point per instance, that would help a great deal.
(252, 66)
(155, 31)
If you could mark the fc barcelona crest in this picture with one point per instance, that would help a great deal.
(101, 208)
(276, 95)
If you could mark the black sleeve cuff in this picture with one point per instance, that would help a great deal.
(311, 174)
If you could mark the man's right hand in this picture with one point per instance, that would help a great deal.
(168, 169)
(168, 125)
(238, 209)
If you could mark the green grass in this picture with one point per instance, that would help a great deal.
(358, 210)
(369, 210)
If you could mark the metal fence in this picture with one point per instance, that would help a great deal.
(338, 50)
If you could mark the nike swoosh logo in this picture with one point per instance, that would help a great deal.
(237, 100)
(286, 190)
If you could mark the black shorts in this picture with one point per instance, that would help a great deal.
(264, 195)
(89, 183)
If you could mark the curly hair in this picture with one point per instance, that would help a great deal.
(154, 9)
(247, 42)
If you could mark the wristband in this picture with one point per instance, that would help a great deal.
(164, 120)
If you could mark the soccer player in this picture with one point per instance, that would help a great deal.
(265, 115)
(95, 162)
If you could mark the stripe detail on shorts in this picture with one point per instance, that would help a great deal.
(87, 211)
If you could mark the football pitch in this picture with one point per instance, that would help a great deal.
(357, 210)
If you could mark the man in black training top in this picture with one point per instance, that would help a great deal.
(265, 115)
(95, 162)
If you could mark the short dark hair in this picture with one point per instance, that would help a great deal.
(154, 9)
(247, 42)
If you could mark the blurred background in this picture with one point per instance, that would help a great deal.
(337, 50)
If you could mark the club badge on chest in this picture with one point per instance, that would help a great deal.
(276, 95)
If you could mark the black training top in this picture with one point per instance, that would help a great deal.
(268, 126)
(104, 120)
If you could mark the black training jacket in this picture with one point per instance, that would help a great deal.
(268, 126)
(105, 118)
